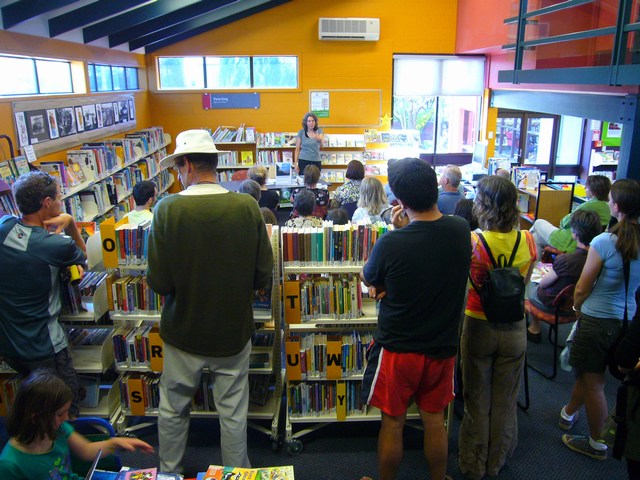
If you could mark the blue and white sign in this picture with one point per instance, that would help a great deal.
(230, 100)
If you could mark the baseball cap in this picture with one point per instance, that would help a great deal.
(190, 141)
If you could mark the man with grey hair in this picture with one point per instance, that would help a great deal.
(32, 256)
(208, 251)
(450, 195)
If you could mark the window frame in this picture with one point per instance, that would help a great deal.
(93, 79)
(35, 61)
(205, 80)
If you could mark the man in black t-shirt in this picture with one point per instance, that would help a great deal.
(419, 271)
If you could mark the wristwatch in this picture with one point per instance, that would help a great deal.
(573, 307)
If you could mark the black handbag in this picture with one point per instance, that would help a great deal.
(613, 365)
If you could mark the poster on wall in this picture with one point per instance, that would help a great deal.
(320, 104)
(53, 123)
(90, 117)
(21, 127)
(66, 121)
(37, 126)
(108, 117)
(132, 110)
(79, 119)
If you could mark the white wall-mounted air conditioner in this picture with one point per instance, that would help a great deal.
(362, 29)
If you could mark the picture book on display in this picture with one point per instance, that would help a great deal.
(146, 474)
(217, 472)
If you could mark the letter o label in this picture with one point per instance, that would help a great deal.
(108, 245)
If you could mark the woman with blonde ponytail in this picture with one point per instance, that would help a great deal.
(602, 299)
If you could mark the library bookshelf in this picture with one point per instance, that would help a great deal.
(136, 312)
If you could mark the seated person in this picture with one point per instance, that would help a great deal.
(268, 198)
(339, 216)
(544, 233)
(268, 216)
(450, 195)
(566, 269)
(304, 204)
(350, 190)
(251, 187)
(371, 203)
(311, 177)
(464, 209)
(144, 194)
(503, 172)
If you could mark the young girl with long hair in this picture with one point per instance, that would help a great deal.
(41, 439)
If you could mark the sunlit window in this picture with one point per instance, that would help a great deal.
(109, 78)
(31, 76)
(228, 73)
(440, 96)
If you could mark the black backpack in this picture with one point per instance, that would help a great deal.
(502, 294)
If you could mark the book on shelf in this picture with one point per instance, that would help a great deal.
(22, 164)
(7, 173)
(246, 157)
(250, 134)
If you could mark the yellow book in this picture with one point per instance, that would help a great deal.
(246, 157)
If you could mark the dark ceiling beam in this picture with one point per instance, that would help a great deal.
(202, 24)
(165, 21)
(130, 19)
(22, 10)
(93, 12)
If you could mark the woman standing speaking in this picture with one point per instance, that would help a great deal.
(308, 144)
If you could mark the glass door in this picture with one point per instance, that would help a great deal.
(539, 140)
(508, 138)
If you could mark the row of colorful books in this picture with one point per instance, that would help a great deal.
(131, 295)
(12, 168)
(227, 134)
(349, 140)
(88, 336)
(330, 296)
(317, 398)
(271, 157)
(140, 392)
(236, 159)
(131, 346)
(276, 139)
(132, 242)
(333, 176)
(330, 244)
(8, 203)
(318, 351)
(340, 158)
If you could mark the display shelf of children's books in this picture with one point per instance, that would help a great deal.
(328, 322)
(136, 311)
(547, 200)
(275, 147)
(98, 176)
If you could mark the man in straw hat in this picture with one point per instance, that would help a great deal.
(208, 250)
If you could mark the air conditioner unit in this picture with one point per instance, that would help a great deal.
(367, 29)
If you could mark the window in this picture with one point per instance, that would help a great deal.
(112, 78)
(228, 73)
(32, 76)
(440, 96)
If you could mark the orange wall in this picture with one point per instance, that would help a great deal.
(406, 26)
(19, 44)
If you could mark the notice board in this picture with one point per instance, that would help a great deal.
(352, 108)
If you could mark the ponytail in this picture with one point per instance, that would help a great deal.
(625, 193)
(628, 243)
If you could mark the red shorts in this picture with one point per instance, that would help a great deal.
(392, 379)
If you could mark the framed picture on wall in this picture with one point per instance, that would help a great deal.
(37, 126)
(53, 123)
(79, 119)
(611, 134)
(90, 117)
(66, 121)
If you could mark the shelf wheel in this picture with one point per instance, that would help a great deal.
(294, 447)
